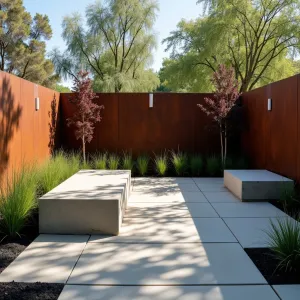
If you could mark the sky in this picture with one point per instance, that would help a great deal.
(171, 12)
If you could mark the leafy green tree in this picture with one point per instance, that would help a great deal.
(115, 46)
(62, 89)
(258, 38)
(22, 43)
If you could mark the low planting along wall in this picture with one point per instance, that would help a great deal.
(130, 124)
(27, 134)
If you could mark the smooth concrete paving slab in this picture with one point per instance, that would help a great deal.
(84, 292)
(143, 181)
(288, 292)
(222, 197)
(251, 232)
(218, 187)
(165, 264)
(91, 201)
(194, 196)
(49, 258)
(157, 197)
(168, 230)
(254, 185)
(247, 210)
(170, 210)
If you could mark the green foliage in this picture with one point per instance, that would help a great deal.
(243, 34)
(289, 199)
(161, 164)
(62, 89)
(284, 240)
(115, 45)
(113, 162)
(142, 164)
(22, 43)
(100, 161)
(127, 161)
(180, 162)
(17, 200)
(56, 170)
(213, 165)
(196, 163)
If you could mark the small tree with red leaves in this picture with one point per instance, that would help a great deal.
(222, 103)
(87, 112)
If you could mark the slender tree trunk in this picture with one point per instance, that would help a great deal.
(83, 150)
(225, 150)
(222, 148)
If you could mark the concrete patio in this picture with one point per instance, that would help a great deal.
(181, 238)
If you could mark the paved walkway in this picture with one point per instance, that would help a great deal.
(181, 239)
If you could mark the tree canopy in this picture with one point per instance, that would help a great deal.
(115, 45)
(258, 38)
(22, 43)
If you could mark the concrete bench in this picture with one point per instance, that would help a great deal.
(91, 201)
(255, 185)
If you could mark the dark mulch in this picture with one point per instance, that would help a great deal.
(267, 265)
(30, 291)
(11, 248)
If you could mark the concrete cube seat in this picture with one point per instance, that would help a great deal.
(256, 185)
(91, 201)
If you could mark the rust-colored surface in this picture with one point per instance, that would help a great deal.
(129, 124)
(272, 137)
(25, 132)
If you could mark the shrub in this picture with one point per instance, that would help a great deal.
(213, 165)
(196, 163)
(142, 164)
(127, 163)
(289, 200)
(74, 163)
(161, 164)
(17, 200)
(284, 240)
(100, 161)
(113, 162)
(180, 162)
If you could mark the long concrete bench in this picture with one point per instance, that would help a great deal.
(91, 201)
(256, 185)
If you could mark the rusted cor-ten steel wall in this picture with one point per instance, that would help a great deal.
(26, 135)
(129, 124)
(272, 137)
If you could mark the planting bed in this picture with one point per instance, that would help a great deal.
(267, 265)
(30, 291)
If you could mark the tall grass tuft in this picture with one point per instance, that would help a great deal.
(142, 164)
(180, 162)
(56, 170)
(17, 200)
(113, 162)
(127, 161)
(213, 165)
(100, 161)
(196, 163)
(161, 164)
(284, 241)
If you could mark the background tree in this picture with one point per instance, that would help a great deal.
(22, 43)
(116, 46)
(223, 101)
(258, 38)
(62, 89)
(87, 113)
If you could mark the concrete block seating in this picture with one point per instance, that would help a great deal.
(255, 185)
(91, 201)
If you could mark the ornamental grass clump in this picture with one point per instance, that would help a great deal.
(127, 161)
(180, 162)
(17, 200)
(284, 241)
(113, 162)
(161, 164)
(100, 161)
(196, 164)
(213, 165)
(142, 164)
